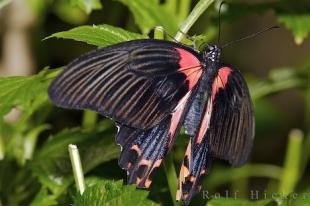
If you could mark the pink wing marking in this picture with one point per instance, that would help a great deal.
(189, 65)
(205, 121)
(219, 82)
(147, 180)
(176, 116)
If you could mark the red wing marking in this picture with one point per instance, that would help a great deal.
(176, 116)
(205, 121)
(219, 82)
(190, 66)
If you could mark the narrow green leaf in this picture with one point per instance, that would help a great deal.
(112, 193)
(150, 13)
(101, 35)
(278, 80)
(223, 175)
(299, 24)
(291, 168)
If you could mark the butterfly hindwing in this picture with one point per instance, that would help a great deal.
(137, 83)
(144, 150)
(225, 129)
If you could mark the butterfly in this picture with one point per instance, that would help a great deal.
(152, 88)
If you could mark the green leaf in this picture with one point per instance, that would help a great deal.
(112, 193)
(43, 198)
(68, 13)
(299, 24)
(87, 5)
(301, 198)
(239, 202)
(150, 13)
(52, 164)
(101, 35)
(26, 93)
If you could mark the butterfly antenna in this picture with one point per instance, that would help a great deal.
(219, 24)
(251, 36)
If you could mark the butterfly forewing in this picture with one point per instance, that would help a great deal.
(136, 83)
(231, 130)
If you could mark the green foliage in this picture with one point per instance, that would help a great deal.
(149, 14)
(299, 24)
(52, 165)
(71, 14)
(87, 5)
(28, 93)
(43, 198)
(112, 193)
(101, 35)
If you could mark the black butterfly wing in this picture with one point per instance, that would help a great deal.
(144, 150)
(231, 131)
(225, 130)
(136, 83)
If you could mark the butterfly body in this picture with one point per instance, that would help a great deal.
(151, 88)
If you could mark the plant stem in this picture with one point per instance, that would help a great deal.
(77, 167)
(292, 162)
(89, 119)
(200, 7)
(171, 177)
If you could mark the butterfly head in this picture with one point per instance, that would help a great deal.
(211, 55)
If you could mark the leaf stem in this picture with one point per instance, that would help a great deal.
(77, 167)
(292, 162)
(89, 120)
(200, 7)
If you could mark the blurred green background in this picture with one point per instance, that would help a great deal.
(34, 164)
